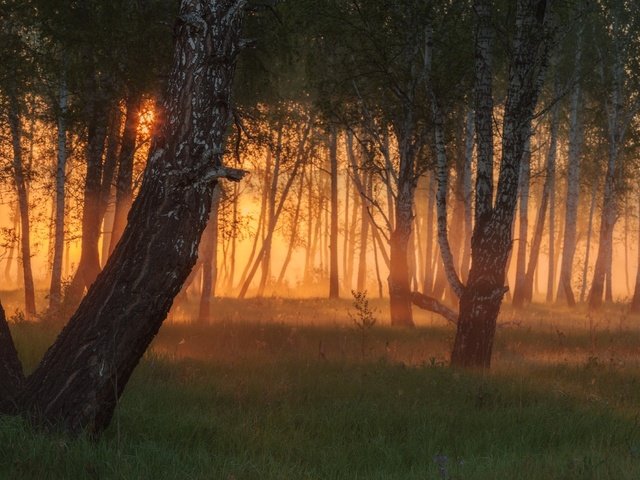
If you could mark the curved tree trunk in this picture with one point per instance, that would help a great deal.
(81, 377)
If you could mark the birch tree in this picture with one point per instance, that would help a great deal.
(81, 377)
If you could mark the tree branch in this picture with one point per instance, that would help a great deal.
(431, 304)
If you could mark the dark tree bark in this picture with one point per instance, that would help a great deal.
(89, 264)
(585, 266)
(491, 243)
(11, 376)
(334, 284)
(124, 179)
(15, 127)
(635, 301)
(209, 255)
(81, 377)
(361, 281)
(565, 291)
(524, 291)
(294, 232)
(55, 289)
(523, 230)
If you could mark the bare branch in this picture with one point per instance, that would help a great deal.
(431, 304)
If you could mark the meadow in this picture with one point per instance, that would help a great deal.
(294, 389)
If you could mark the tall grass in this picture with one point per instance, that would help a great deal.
(286, 394)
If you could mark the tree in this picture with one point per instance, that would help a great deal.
(491, 242)
(621, 106)
(81, 377)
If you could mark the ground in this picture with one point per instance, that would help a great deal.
(283, 389)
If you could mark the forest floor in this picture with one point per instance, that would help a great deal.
(291, 389)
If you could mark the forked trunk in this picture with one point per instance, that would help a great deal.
(491, 243)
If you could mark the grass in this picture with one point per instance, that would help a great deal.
(279, 389)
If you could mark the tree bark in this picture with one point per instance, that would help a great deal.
(23, 203)
(585, 267)
(565, 291)
(491, 242)
(525, 293)
(124, 190)
(468, 218)
(11, 376)
(635, 301)
(55, 289)
(334, 285)
(89, 264)
(81, 377)
(523, 231)
(209, 253)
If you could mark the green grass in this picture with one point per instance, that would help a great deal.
(286, 394)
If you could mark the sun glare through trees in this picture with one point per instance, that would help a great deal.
(319, 239)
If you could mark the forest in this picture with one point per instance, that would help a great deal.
(246, 239)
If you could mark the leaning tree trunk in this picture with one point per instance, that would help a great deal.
(78, 383)
(481, 299)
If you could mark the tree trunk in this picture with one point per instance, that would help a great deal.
(124, 195)
(635, 301)
(585, 268)
(294, 233)
(334, 285)
(427, 286)
(89, 264)
(399, 287)
(209, 252)
(523, 232)
(468, 219)
(262, 219)
(78, 383)
(361, 282)
(106, 183)
(525, 294)
(565, 291)
(491, 242)
(618, 120)
(55, 289)
(607, 224)
(11, 376)
(23, 203)
(265, 266)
